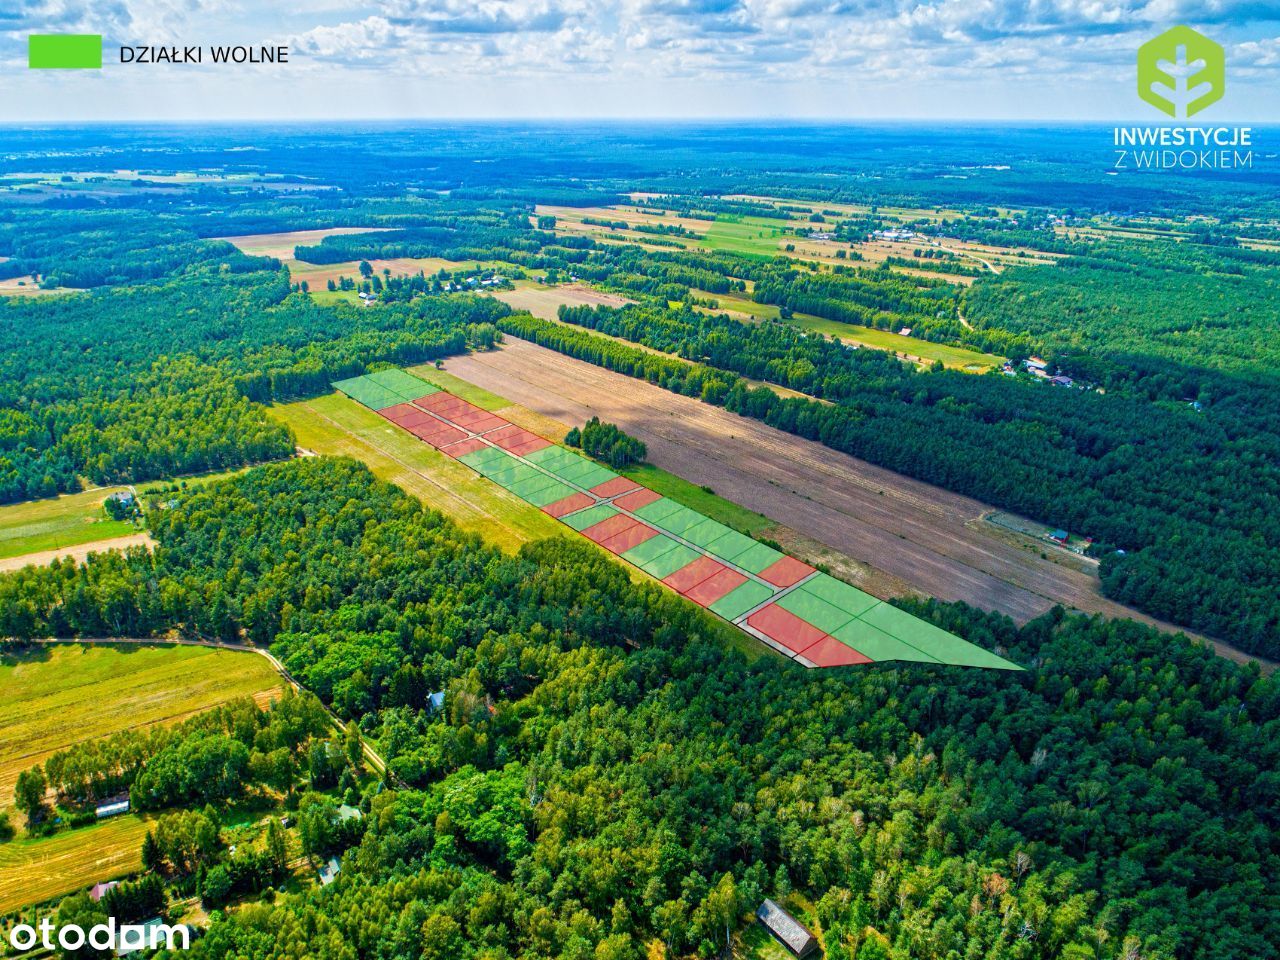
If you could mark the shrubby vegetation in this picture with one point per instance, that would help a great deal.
(607, 442)
(211, 758)
(605, 773)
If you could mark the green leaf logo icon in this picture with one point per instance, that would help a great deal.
(1181, 72)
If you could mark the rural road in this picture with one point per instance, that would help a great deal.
(78, 552)
(375, 761)
(934, 540)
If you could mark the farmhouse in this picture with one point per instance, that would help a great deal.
(786, 929)
(346, 813)
(100, 890)
(329, 872)
(1037, 366)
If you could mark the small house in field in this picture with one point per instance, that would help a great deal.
(1060, 536)
(786, 929)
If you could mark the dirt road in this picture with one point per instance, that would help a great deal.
(927, 537)
(78, 552)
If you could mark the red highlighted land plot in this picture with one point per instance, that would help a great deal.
(786, 572)
(785, 628)
(561, 508)
(634, 501)
(611, 488)
(689, 576)
(716, 586)
(632, 536)
(785, 602)
(462, 447)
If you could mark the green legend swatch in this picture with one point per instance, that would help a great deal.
(64, 51)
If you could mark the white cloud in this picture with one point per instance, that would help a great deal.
(840, 48)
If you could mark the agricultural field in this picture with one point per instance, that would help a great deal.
(62, 694)
(922, 352)
(912, 348)
(545, 301)
(803, 614)
(58, 522)
(333, 425)
(281, 245)
(316, 275)
(927, 538)
(28, 287)
(34, 870)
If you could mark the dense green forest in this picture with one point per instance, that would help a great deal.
(1189, 500)
(606, 773)
(139, 382)
(1170, 320)
(608, 778)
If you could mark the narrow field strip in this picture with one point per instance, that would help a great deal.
(808, 616)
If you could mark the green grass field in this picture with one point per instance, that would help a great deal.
(696, 498)
(341, 427)
(959, 358)
(63, 694)
(460, 388)
(35, 870)
(58, 522)
(330, 297)
(754, 236)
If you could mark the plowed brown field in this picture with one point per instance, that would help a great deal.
(934, 540)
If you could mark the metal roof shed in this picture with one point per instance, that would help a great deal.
(786, 929)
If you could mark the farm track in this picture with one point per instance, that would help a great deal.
(78, 552)
(926, 536)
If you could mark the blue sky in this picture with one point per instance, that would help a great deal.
(909, 59)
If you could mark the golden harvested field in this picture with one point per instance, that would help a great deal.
(56, 522)
(26, 287)
(62, 694)
(281, 245)
(936, 541)
(35, 870)
(545, 301)
(77, 552)
(318, 275)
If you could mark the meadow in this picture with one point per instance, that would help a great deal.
(913, 348)
(63, 694)
(56, 522)
(335, 425)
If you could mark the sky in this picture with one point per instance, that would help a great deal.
(1068, 60)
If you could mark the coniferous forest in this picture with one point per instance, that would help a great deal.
(579, 765)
